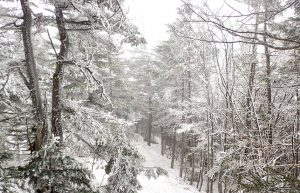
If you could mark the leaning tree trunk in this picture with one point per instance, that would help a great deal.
(33, 80)
(58, 74)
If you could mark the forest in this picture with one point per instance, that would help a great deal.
(87, 107)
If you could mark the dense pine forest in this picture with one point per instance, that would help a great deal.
(87, 106)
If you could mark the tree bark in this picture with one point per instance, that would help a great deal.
(182, 155)
(295, 139)
(58, 75)
(268, 83)
(150, 122)
(190, 121)
(200, 177)
(210, 129)
(183, 135)
(173, 150)
(163, 141)
(33, 78)
(251, 80)
(193, 164)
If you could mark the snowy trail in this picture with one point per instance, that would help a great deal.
(163, 184)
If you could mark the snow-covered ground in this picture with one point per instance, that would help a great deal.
(97, 168)
(163, 184)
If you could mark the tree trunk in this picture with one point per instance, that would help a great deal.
(208, 153)
(173, 150)
(210, 129)
(268, 82)
(183, 135)
(136, 127)
(182, 155)
(33, 78)
(202, 169)
(163, 141)
(295, 139)
(190, 121)
(251, 79)
(200, 176)
(193, 164)
(150, 122)
(211, 147)
(58, 75)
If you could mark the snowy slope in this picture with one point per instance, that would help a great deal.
(163, 184)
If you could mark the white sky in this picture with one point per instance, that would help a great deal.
(151, 17)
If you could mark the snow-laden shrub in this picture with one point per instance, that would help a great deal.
(270, 180)
(125, 167)
(61, 173)
(124, 163)
(11, 179)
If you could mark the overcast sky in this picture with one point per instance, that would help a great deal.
(151, 17)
